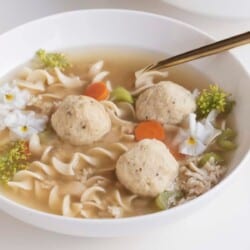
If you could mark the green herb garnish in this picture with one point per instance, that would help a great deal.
(53, 60)
(213, 98)
(14, 159)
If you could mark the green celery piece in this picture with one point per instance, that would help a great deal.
(225, 140)
(162, 200)
(226, 145)
(120, 94)
(207, 156)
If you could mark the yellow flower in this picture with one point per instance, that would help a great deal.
(213, 98)
(13, 160)
(53, 60)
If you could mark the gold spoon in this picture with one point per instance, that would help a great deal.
(204, 51)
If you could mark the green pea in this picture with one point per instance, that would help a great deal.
(207, 156)
(120, 94)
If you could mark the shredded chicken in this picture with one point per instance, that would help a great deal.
(44, 107)
(195, 181)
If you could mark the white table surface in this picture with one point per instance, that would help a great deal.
(223, 224)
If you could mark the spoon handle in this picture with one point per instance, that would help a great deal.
(204, 51)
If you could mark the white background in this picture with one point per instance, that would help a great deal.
(223, 224)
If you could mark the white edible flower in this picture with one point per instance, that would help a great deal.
(25, 123)
(13, 97)
(195, 139)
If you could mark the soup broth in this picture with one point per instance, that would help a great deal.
(80, 181)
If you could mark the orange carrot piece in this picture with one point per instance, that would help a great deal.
(174, 151)
(97, 90)
(149, 130)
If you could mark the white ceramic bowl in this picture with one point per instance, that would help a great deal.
(136, 29)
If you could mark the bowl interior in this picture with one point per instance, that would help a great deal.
(122, 28)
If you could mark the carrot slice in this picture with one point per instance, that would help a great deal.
(174, 150)
(149, 130)
(177, 155)
(98, 91)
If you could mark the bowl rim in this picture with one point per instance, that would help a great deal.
(139, 218)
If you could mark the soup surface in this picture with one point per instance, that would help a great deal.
(138, 155)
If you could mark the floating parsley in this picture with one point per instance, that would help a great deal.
(213, 98)
(14, 159)
(53, 60)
